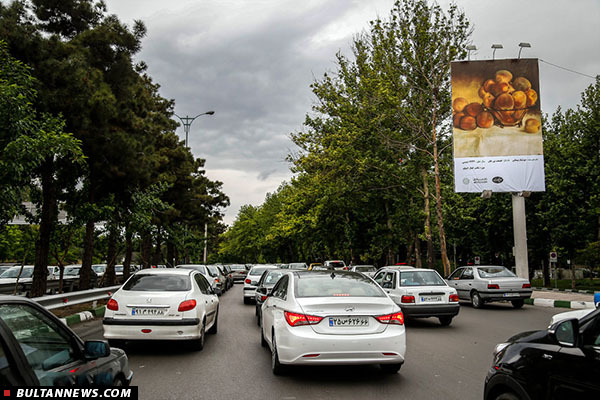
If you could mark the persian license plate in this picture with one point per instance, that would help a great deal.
(511, 294)
(426, 299)
(148, 311)
(348, 321)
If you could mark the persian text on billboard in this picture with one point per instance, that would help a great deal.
(497, 126)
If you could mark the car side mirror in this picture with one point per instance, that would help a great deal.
(93, 349)
(565, 333)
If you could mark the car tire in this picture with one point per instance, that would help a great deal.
(390, 368)
(198, 344)
(263, 341)
(518, 303)
(506, 396)
(276, 366)
(121, 344)
(257, 317)
(215, 328)
(476, 300)
(445, 321)
(118, 381)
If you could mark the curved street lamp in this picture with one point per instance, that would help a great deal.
(187, 123)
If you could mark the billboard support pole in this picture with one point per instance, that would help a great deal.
(520, 235)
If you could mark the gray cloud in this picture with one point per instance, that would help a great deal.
(252, 61)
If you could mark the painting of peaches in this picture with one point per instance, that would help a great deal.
(496, 108)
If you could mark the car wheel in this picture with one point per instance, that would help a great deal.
(198, 344)
(214, 329)
(263, 341)
(445, 321)
(118, 381)
(506, 396)
(476, 300)
(390, 368)
(276, 366)
(257, 316)
(518, 303)
(246, 300)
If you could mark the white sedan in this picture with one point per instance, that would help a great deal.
(331, 317)
(162, 304)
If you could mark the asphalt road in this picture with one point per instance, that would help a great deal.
(441, 362)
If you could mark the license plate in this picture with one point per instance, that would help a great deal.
(425, 299)
(148, 311)
(348, 321)
(511, 294)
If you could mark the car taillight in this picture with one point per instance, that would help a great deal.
(493, 286)
(345, 268)
(453, 297)
(295, 319)
(527, 286)
(216, 280)
(407, 299)
(112, 305)
(248, 281)
(396, 318)
(263, 298)
(187, 305)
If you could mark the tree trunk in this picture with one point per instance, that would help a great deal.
(111, 255)
(390, 254)
(170, 253)
(409, 251)
(88, 252)
(438, 195)
(418, 261)
(128, 252)
(157, 256)
(42, 248)
(546, 274)
(427, 211)
(146, 249)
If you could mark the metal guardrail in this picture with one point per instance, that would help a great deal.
(52, 285)
(73, 298)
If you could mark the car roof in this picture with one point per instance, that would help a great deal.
(165, 271)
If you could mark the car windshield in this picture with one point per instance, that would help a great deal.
(258, 271)
(272, 277)
(420, 278)
(199, 268)
(366, 268)
(158, 283)
(14, 272)
(72, 271)
(298, 265)
(237, 267)
(495, 272)
(335, 284)
(336, 264)
(99, 268)
(212, 270)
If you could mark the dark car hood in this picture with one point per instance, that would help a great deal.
(530, 337)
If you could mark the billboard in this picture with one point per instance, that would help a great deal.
(497, 126)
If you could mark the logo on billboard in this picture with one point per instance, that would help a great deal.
(466, 181)
(497, 179)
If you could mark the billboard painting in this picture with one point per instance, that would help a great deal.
(497, 126)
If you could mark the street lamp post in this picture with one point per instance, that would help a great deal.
(187, 123)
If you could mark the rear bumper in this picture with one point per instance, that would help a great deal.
(424, 311)
(293, 344)
(505, 296)
(250, 291)
(186, 329)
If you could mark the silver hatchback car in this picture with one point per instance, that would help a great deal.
(486, 283)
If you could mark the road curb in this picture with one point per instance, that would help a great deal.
(560, 303)
(84, 316)
(545, 289)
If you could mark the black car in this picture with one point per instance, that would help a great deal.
(37, 349)
(562, 362)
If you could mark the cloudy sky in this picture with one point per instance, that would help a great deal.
(252, 61)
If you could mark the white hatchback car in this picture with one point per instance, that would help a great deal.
(162, 304)
(420, 293)
(331, 317)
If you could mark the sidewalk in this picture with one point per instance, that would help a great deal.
(549, 298)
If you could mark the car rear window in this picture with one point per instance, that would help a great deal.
(336, 264)
(317, 284)
(238, 267)
(258, 271)
(366, 268)
(199, 268)
(158, 283)
(420, 278)
(494, 272)
(212, 270)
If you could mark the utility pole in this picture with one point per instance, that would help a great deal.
(205, 240)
